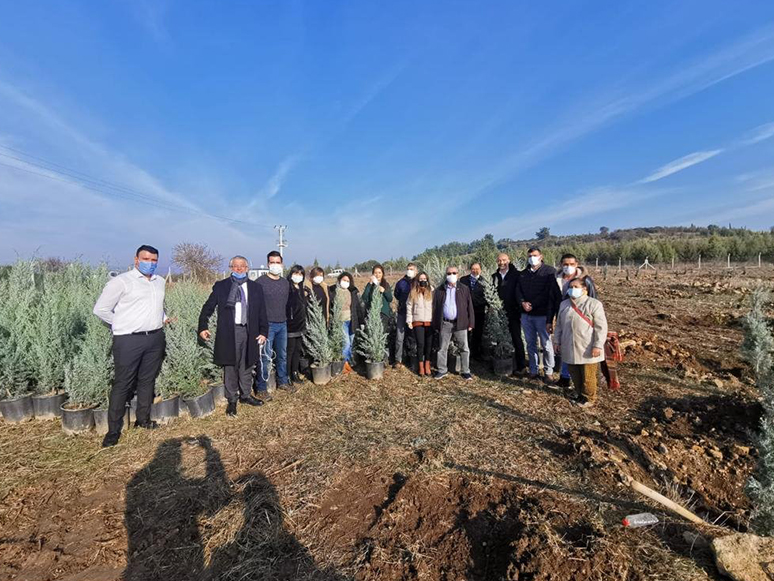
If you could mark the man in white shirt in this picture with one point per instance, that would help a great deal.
(132, 304)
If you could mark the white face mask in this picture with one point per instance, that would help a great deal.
(344, 284)
(451, 278)
(575, 292)
(317, 279)
(534, 260)
(411, 273)
(297, 278)
(569, 270)
(275, 269)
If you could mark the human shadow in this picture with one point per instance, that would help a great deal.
(167, 513)
(162, 512)
(263, 548)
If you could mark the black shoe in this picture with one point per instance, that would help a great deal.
(466, 376)
(249, 400)
(231, 408)
(563, 382)
(149, 425)
(111, 439)
(289, 387)
(439, 375)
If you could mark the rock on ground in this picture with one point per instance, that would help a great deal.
(745, 557)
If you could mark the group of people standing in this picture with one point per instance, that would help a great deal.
(261, 324)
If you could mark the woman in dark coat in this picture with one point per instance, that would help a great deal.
(353, 313)
(297, 303)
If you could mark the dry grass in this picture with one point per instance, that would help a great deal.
(256, 510)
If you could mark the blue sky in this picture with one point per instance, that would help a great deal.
(374, 129)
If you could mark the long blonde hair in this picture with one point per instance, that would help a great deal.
(416, 289)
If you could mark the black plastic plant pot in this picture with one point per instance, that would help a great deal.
(303, 364)
(101, 421)
(132, 405)
(219, 394)
(201, 405)
(48, 407)
(17, 409)
(321, 375)
(374, 369)
(77, 421)
(414, 362)
(337, 368)
(502, 367)
(166, 410)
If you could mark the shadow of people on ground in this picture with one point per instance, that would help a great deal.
(174, 521)
(263, 548)
(162, 511)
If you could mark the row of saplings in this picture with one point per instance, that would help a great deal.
(55, 355)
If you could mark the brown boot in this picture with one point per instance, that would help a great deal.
(421, 368)
(347, 367)
(428, 371)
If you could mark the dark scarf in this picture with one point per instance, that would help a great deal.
(237, 294)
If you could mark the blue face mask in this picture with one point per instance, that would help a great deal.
(147, 268)
(239, 275)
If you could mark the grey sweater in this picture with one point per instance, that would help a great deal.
(275, 293)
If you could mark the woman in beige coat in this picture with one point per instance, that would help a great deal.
(419, 318)
(580, 335)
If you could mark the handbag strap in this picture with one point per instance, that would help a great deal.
(580, 314)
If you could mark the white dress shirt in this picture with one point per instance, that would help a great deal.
(238, 305)
(130, 303)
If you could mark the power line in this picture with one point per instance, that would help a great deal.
(99, 185)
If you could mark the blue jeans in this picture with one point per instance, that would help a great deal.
(534, 328)
(278, 342)
(347, 351)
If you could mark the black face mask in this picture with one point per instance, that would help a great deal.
(422, 283)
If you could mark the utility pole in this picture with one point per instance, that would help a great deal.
(281, 242)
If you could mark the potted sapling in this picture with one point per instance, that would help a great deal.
(88, 378)
(60, 324)
(317, 343)
(497, 336)
(336, 336)
(371, 341)
(18, 302)
(188, 371)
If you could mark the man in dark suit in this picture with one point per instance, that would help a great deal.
(242, 327)
(505, 279)
(453, 318)
(475, 283)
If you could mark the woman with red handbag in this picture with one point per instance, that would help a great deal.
(579, 335)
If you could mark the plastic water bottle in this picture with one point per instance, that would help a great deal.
(642, 519)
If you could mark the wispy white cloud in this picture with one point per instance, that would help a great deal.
(277, 180)
(680, 164)
(760, 133)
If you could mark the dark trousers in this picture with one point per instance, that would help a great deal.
(137, 361)
(514, 326)
(476, 335)
(238, 378)
(294, 355)
(424, 339)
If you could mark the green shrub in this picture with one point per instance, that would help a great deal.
(335, 330)
(316, 341)
(59, 323)
(88, 377)
(371, 340)
(497, 335)
(757, 348)
(19, 296)
(188, 367)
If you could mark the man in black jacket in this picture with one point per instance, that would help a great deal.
(505, 279)
(475, 283)
(453, 318)
(242, 327)
(533, 294)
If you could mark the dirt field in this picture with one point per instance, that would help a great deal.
(416, 479)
